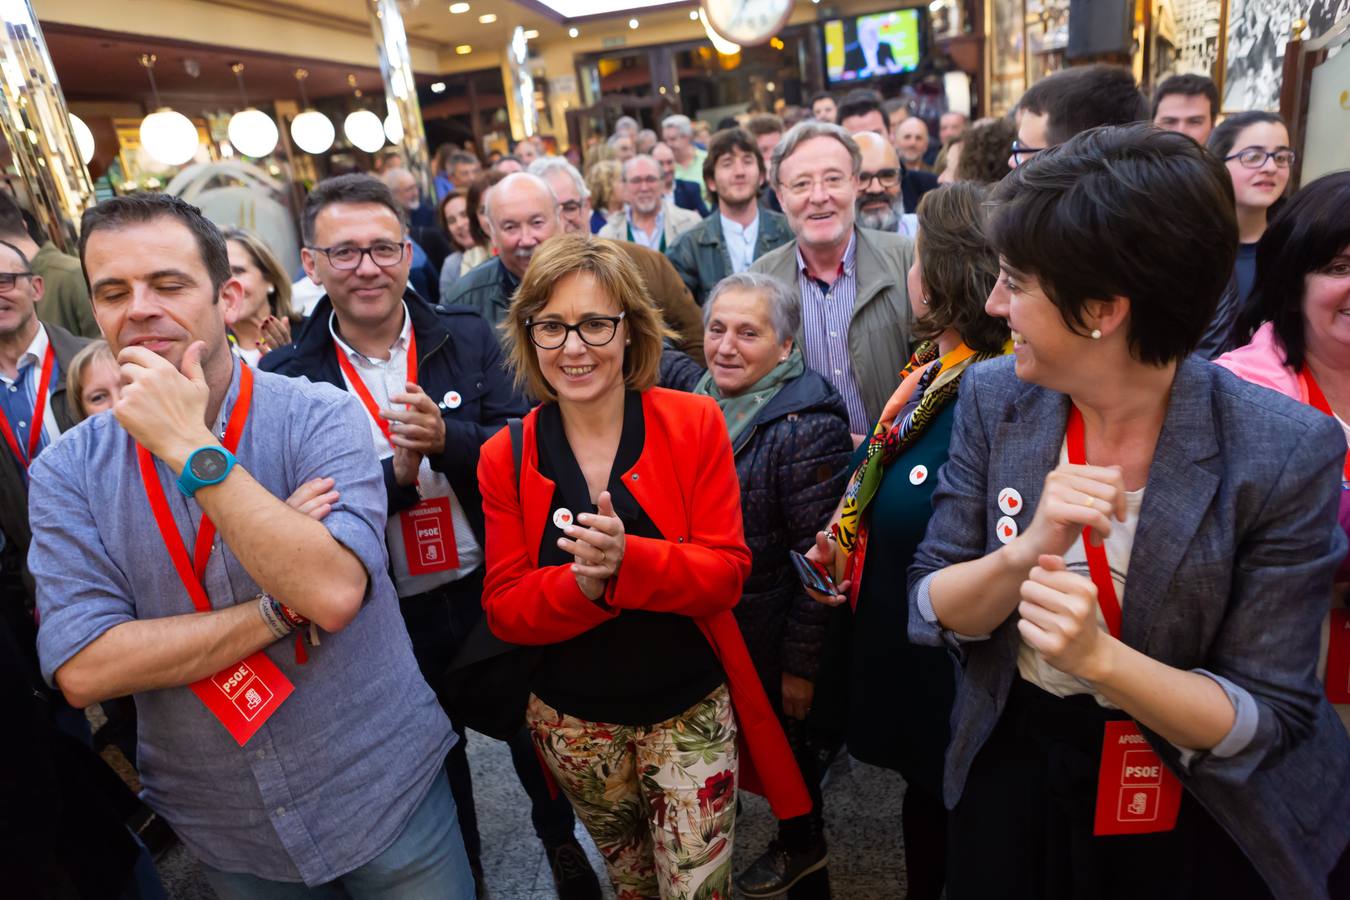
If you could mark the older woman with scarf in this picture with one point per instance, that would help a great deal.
(790, 440)
(901, 693)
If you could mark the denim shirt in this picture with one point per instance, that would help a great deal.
(329, 781)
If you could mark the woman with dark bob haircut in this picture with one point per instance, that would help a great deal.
(615, 544)
(883, 512)
(1131, 551)
(1294, 337)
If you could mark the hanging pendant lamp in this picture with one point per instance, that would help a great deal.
(312, 131)
(168, 136)
(251, 131)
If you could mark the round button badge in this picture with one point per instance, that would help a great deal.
(918, 475)
(452, 400)
(1009, 501)
(1006, 529)
(562, 517)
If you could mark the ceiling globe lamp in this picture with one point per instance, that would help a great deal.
(312, 131)
(251, 131)
(168, 136)
(365, 130)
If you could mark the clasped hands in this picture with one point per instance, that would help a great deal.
(416, 430)
(596, 542)
(1058, 608)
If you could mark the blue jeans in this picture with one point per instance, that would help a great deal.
(425, 862)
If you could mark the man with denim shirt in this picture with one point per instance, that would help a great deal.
(270, 814)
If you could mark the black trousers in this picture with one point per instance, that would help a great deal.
(438, 622)
(1023, 826)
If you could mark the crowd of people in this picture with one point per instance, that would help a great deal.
(1008, 455)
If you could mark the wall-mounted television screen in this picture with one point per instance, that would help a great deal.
(873, 45)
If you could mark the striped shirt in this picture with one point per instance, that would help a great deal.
(827, 310)
(18, 395)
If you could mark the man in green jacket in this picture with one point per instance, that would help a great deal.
(739, 232)
(65, 296)
(851, 282)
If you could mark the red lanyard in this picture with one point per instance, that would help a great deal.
(1318, 400)
(191, 572)
(363, 392)
(39, 411)
(1098, 567)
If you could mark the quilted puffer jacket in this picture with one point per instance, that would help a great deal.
(792, 465)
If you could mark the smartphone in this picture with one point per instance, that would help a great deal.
(812, 575)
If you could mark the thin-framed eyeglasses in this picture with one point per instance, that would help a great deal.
(385, 254)
(643, 179)
(833, 182)
(594, 331)
(1255, 157)
(1020, 150)
(9, 279)
(887, 178)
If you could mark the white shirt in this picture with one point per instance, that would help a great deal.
(650, 241)
(740, 241)
(384, 379)
(1031, 665)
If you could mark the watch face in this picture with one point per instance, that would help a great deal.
(747, 22)
(208, 464)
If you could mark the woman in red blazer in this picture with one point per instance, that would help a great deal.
(620, 551)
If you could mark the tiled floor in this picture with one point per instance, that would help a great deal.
(862, 806)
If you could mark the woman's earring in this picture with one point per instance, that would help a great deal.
(923, 300)
(627, 342)
(1096, 334)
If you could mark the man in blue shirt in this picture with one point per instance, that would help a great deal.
(275, 764)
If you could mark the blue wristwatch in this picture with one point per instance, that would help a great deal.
(206, 466)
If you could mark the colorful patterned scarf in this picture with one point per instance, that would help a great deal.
(935, 381)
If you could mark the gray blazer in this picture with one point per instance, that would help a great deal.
(1230, 572)
(879, 334)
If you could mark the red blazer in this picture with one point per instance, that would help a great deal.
(686, 482)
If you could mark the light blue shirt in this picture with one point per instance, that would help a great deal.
(740, 241)
(654, 241)
(329, 781)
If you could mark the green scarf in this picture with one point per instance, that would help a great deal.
(741, 409)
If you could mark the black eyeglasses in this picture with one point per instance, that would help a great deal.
(1020, 150)
(347, 256)
(1255, 157)
(9, 279)
(888, 178)
(595, 331)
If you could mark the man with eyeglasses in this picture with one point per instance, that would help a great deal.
(861, 113)
(740, 232)
(34, 411)
(1070, 101)
(881, 202)
(649, 219)
(850, 281)
(526, 210)
(432, 384)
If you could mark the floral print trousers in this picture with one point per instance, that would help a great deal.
(659, 801)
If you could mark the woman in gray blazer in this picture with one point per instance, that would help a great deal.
(1131, 553)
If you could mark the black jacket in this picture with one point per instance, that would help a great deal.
(13, 485)
(913, 185)
(456, 351)
(792, 465)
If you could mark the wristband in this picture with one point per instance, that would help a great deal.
(272, 618)
(294, 618)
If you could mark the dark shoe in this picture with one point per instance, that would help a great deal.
(777, 870)
(572, 875)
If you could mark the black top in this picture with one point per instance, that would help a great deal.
(638, 668)
(1244, 270)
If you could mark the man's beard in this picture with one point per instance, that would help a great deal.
(884, 220)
